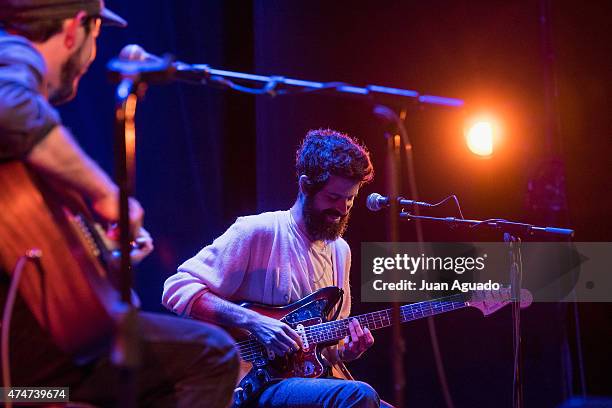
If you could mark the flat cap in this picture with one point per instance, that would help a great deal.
(34, 10)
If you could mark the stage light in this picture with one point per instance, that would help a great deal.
(480, 138)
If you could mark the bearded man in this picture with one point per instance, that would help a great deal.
(277, 258)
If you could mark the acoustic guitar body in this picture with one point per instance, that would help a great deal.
(71, 296)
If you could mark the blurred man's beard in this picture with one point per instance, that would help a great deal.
(317, 225)
(71, 70)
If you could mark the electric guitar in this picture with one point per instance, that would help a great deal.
(73, 295)
(308, 317)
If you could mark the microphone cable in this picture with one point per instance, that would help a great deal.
(32, 255)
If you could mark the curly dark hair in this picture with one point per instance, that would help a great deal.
(326, 152)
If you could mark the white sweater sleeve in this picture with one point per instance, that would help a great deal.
(218, 267)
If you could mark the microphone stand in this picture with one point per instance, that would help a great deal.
(516, 277)
(132, 85)
(125, 353)
(393, 161)
(509, 228)
(274, 85)
(498, 224)
(397, 142)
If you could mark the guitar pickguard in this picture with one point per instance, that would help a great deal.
(307, 363)
(313, 310)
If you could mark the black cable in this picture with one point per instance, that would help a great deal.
(583, 389)
(516, 278)
(267, 89)
(454, 197)
(30, 256)
(326, 86)
(488, 221)
(270, 87)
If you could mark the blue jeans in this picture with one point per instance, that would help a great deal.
(319, 392)
(184, 364)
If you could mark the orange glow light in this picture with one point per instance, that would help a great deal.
(480, 137)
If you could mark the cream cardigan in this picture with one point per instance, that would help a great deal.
(263, 258)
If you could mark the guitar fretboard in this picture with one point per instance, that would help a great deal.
(332, 332)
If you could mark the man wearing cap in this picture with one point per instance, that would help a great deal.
(46, 46)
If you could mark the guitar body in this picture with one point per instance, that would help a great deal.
(72, 299)
(263, 368)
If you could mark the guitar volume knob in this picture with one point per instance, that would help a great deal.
(247, 389)
(261, 375)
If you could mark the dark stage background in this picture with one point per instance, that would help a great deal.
(207, 156)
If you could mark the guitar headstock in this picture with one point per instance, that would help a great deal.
(490, 301)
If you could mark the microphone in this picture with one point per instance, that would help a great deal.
(376, 202)
(133, 59)
(134, 52)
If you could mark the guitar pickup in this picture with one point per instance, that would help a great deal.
(301, 330)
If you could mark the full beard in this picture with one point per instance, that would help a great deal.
(317, 225)
(70, 71)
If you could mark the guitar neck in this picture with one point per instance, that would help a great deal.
(337, 330)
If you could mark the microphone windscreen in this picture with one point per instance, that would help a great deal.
(373, 202)
(133, 52)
